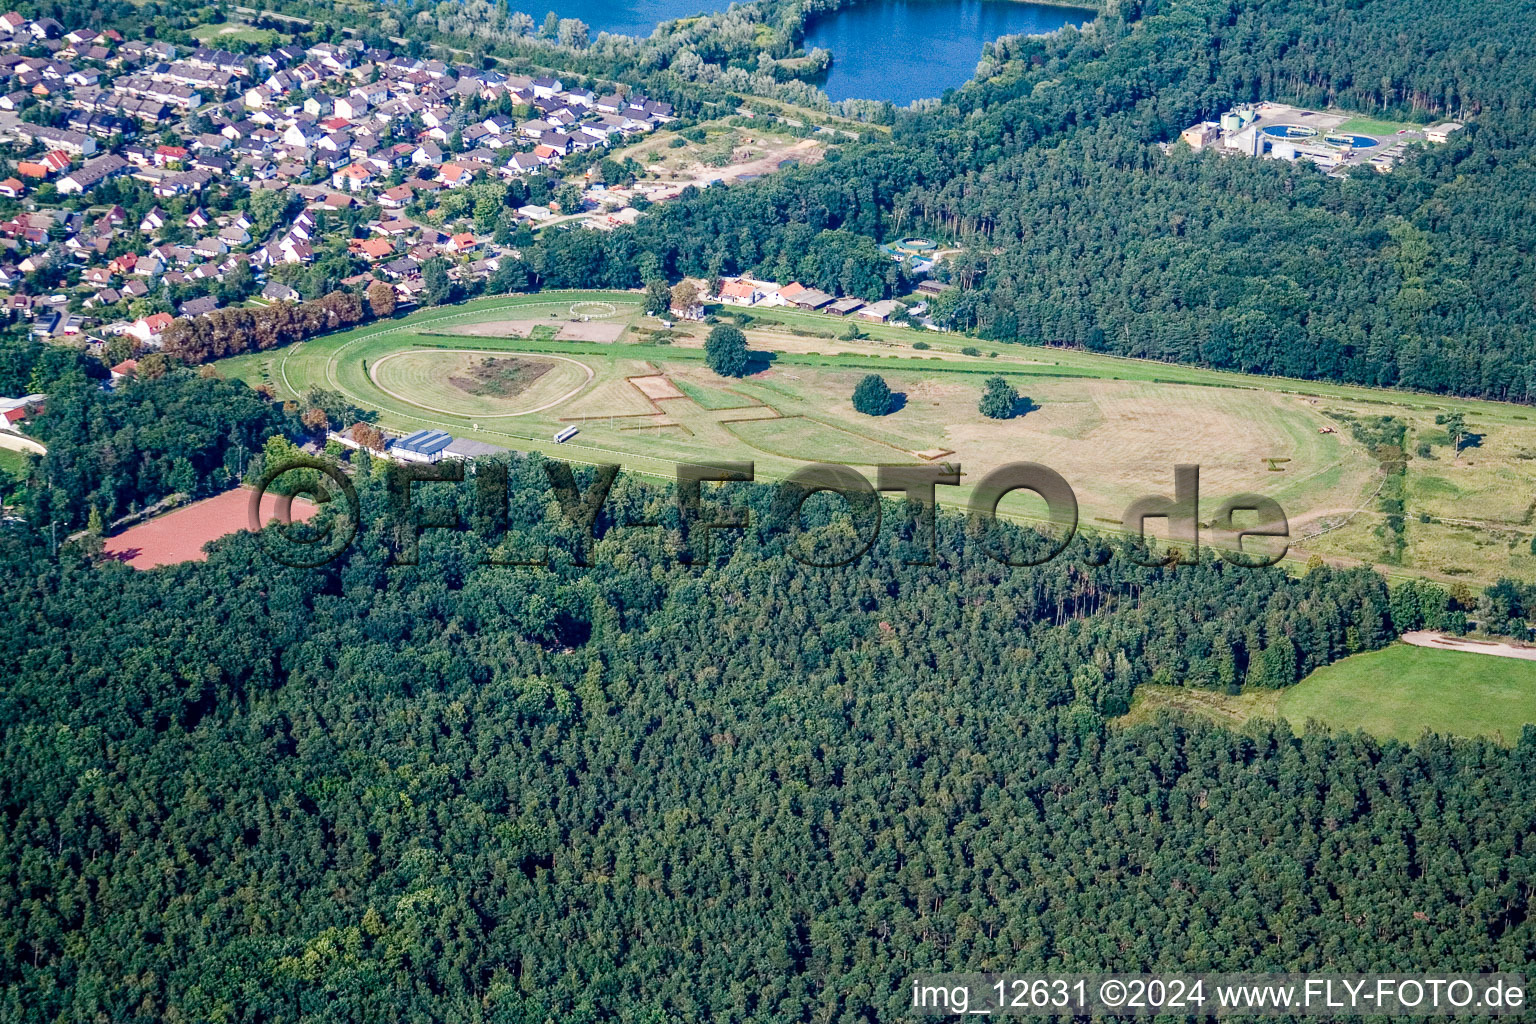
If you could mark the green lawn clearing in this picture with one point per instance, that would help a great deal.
(1395, 693)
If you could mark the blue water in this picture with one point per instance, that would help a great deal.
(629, 17)
(1288, 131)
(905, 50)
(1355, 141)
(898, 50)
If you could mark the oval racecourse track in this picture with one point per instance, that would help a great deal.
(562, 304)
(373, 375)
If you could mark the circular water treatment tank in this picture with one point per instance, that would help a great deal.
(1289, 131)
(1349, 141)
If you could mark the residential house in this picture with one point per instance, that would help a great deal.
(353, 178)
(198, 306)
(372, 249)
(396, 198)
(149, 329)
(455, 175)
(740, 292)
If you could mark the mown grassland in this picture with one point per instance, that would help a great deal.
(1396, 693)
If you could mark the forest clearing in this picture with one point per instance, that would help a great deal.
(1395, 693)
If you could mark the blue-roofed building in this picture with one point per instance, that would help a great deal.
(422, 446)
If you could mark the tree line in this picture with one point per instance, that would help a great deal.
(239, 329)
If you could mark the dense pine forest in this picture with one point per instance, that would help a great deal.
(645, 791)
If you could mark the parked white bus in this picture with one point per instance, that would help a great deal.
(565, 435)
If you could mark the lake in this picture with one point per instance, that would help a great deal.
(897, 50)
(905, 50)
(629, 17)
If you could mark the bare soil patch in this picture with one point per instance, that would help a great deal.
(591, 330)
(658, 387)
(179, 536)
(1444, 642)
(504, 376)
(496, 329)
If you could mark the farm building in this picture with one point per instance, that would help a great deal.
(797, 294)
(740, 292)
(879, 312)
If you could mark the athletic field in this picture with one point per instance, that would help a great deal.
(180, 535)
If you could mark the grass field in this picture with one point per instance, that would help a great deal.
(13, 462)
(1372, 126)
(1396, 693)
(1114, 428)
(475, 383)
(231, 32)
(1401, 691)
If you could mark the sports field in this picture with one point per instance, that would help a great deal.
(514, 370)
(179, 535)
(1395, 693)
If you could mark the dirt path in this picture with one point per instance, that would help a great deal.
(17, 443)
(1442, 642)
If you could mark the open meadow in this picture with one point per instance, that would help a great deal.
(1395, 693)
(224, 33)
(515, 370)
(13, 462)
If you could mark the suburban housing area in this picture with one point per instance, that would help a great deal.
(146, 180)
